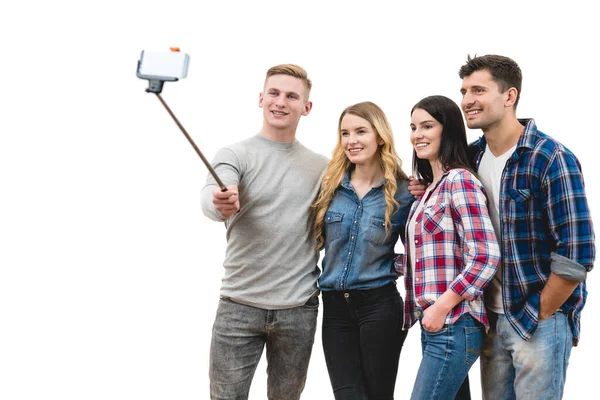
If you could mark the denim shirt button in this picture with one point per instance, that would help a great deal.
(346, 295)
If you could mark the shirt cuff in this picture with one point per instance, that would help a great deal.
(463, 289)
(567, 268)
(399, 264)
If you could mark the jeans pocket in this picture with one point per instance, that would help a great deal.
(441, 332)
(436, 343)
(312, 302)
(473, 343)
(545, 321)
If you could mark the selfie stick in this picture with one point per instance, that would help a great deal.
(155, 86)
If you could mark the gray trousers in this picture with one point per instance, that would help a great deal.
(239, 335)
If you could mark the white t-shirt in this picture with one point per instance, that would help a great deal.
(490, 173)
(411, 234)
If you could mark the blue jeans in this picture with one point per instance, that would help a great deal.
(448, 354)
(512, 368)
(362, 339)
(239, 335)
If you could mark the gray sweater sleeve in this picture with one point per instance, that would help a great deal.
(228, 167)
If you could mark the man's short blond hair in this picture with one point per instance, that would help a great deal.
(291, 70)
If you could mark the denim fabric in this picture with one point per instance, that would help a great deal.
(362, 339)
(240, 333)
(358, 254)
(512, 368)
(448, 354)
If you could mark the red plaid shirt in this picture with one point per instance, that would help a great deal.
(456, 248)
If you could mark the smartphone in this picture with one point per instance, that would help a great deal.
(163, 65)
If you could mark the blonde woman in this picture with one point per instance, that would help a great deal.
(360, 212)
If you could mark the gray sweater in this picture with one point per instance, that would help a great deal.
(270, 262)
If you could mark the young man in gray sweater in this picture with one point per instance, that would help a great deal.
(269, 291)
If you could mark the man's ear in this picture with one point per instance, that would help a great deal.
(307, 108)
(512, 97)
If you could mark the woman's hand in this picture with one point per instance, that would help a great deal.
(434, 317)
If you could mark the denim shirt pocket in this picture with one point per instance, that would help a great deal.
(333, 225)
(435, 220)
(376, 231)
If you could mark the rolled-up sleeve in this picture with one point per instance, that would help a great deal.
(569, 218)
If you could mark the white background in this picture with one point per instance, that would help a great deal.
(109, 273)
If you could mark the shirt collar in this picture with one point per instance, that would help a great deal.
(346, 181)
(526, 140)
(529, 134)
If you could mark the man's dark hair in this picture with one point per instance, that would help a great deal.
(505, 71)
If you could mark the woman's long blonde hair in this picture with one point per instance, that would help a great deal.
(389, 161)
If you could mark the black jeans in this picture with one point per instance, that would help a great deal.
(362, 340)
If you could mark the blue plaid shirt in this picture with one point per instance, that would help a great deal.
(545, 221)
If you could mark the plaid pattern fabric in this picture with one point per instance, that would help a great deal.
(456, 248)
(543, 210)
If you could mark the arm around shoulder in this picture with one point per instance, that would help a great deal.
(405, 200)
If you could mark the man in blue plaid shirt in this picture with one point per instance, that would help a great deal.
(540, 213)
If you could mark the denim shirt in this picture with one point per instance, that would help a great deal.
(358, 255)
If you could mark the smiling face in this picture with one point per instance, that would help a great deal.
(483, 105)
(284, 100)
(359, 140)
(426, 135)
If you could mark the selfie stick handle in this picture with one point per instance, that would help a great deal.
(210, 168)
